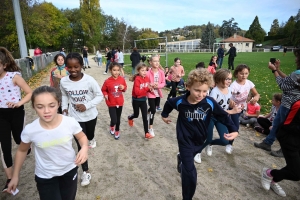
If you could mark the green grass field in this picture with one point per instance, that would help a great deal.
(260, 74)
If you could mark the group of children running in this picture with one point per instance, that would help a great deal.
(67, 110)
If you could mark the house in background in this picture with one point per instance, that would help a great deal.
(241, 44)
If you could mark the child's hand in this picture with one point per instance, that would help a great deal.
(166, 120)
(270, 128)
(155, 85)
(80, 107)
(232, 104)
(231, 136)
(106, 97)
(82, 155)
(13, 105)
(121, 87)
(12, 184)
(237, 109)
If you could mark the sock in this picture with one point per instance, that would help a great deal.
(269, 172)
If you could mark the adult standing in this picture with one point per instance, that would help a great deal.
(85, 57)
(108, 57)
(220, 55)
(99, 58)
(232, 54)
(121, 61)
(135, 58)
(284, 51)
(37, 51)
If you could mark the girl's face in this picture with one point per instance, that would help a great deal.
(74, 68)
(60, 60)
(177, 63)
(275, 102)
(167, 69)
(198, 92)
(242, 75)
(154, 62)
(228, 80)
(143, 71)
(46, 107)
(115, 71)
(214, 58)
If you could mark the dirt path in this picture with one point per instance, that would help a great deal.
(135, 169)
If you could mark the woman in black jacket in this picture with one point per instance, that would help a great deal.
(135, 58)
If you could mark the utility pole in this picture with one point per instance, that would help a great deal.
(20, 29)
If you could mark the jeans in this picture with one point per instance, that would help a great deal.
(99, 62)
(86, 62)
(278, 120)
(107, 64)
(220, 62)
(133, 71)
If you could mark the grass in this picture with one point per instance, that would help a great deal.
(260, 74)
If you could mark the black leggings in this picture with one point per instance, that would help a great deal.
(142, 105)
(152, 108)
(115, 115)
(89, 129)
(265, 123)
(173, 91)
(11, 121)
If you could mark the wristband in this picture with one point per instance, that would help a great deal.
(273, 71)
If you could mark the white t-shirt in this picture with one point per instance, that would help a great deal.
(9, 92)
(54, 154)
(222, 99)
(120, 57)
(240, 92)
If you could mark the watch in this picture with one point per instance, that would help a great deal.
(273, 71)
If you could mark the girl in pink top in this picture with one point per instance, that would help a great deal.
(176, 72)
(157, 81)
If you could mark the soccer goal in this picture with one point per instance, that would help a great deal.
(155, 51)
(216, 47)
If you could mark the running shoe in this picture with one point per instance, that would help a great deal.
(148, 136)
(197, 158)
(85, 179)
(117, 135)
(130, 122)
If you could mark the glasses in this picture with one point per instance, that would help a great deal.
(228, 79)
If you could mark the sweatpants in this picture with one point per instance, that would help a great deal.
(188, 170)
(153, 102)
(89, 129)
(11, 122)
(59, 187)
(140, 105)
(115, 116)
(173, 90)
(265, 124)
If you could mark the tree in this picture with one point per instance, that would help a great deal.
(147, 44)
(208, 36)
(256, 32)
(228, 28)
(289, 29)
(274, 28)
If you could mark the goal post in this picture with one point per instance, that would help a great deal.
(166, 43)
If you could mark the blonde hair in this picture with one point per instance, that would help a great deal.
(201, 76)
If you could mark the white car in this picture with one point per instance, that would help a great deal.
(275, 48)
(258, 45)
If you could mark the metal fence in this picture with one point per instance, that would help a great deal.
(31, 66)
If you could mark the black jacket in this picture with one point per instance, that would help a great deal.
(135, 58)
(231, 52)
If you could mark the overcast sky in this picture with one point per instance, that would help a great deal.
(160, 15)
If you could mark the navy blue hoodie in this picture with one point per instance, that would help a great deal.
(193, 119)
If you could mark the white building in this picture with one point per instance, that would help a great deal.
(241, 44)
(181, 46)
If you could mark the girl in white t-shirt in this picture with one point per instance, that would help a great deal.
(55, 159)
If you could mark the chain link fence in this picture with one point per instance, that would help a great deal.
(31, 66)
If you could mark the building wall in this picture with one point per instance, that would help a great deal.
(241, 46)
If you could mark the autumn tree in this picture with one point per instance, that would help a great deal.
(256, 32)
(274, 28)
(147, 44)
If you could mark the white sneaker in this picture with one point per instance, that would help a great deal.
(208, 150)
(197, 158)
(92, 143)
(85, 179)
(151, 131)
(265, 179)
(277, 189)
(229, 148)
(104, 73)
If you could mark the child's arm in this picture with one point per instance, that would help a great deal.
(168, 107)
(162, 82)
(82, 155)
(182, 72)
(64, 100)
(255, 94)
(19, 81)
(98, 96)
(19, 160)
(124, 86)
(138, 91)
(104, 90)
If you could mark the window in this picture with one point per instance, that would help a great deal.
(247, 44)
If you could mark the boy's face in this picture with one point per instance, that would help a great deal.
(275, 102)
(198, 91)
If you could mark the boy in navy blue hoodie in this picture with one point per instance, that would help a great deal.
(195, 109)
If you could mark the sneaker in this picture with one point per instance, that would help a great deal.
(277, 189)
(148, 136)
(151, 132)
(197, 158)
(228, 148)
(117, 135)
(265, 179)
(104, 72)
(277, 153)
(263, 146)
(179, 163)
(259, 129)
(247, 125)
(6, 185)
(92, 143)
(85, 179)
(130, 122)
(158, 109)
(112, 130)
(209, 150)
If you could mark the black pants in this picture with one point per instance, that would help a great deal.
(152, 108)
(142, 105)
(265, 124)
(59, 187)
(11, 122)
(230, 62)
(89, 129)
(173, 91)
(115, 115)
(188, 171)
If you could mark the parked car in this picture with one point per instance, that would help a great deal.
(258, 45)
(275, 48)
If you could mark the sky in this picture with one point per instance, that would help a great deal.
(161, 15)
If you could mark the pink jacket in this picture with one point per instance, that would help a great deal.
(177, 73)
(161, 82)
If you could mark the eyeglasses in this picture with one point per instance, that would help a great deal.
(228, 79)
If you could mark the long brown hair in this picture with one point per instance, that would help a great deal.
(7, 59)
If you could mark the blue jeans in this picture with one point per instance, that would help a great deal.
(133, 71)
(86, 62)
(220, 62)
(107, 64)
(99, 62)
(278, 120)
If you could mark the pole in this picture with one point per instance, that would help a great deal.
(20, 29)
(166, 51)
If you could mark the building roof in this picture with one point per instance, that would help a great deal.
(237, 38)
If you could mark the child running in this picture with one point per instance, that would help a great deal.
(113, 89)
(157, 81)
(195, 111)
(222, 95)
(11, 107)
(83, 93)
(52, 135)
(176, 72)
(139, 96)
(240, 89)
